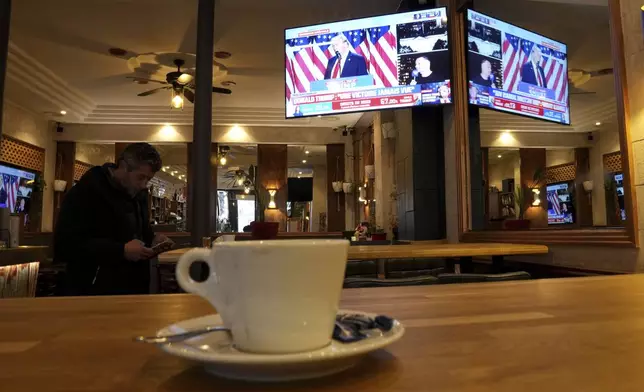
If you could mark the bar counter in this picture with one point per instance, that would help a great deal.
(577, 334)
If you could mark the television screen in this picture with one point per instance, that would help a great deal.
(15, 188)
(619, 182)
(300, 189)
(390, 61)
(560, 206)
(516, 71)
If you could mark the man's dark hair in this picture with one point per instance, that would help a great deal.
(137, 154)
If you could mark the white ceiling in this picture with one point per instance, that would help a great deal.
(60, 48)
(59, 57)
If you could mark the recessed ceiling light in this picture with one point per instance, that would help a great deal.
(299, 176)
(498, 156)
(63, 112)
(303, 160)
(598, 123)
(307, 152)
(299, 173)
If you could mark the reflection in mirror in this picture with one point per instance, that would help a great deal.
(307, 194)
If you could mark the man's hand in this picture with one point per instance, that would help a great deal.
(135, 250)
(160, 238)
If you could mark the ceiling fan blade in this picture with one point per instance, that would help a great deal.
(601, 72)
(220, 90)
(190, 96)
(153, 91)
(138, 79)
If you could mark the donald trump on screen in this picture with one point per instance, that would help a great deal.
(345, 63)
(532, 72)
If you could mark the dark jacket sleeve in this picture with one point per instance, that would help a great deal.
(75, 236)
(148, 233)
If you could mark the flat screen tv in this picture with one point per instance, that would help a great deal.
(619, 182)
(15, 188)
(390, 61)
(515, 70)
(560, 206)
(300, 189)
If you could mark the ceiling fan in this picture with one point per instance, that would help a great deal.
(182, 83)
(578, 77)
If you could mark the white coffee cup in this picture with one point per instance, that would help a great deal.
(275, 296)
(225, 238)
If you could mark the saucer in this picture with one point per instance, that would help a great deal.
(219, 356)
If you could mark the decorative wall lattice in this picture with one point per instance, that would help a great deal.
(22, 154)
(80, 168)
(613, 162)
(560, 173)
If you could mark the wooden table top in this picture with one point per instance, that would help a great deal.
(370, 252)
(576, 334)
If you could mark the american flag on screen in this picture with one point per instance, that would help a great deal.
(307, 57)
(553, 199)
(382, 64)
(10, 184)
(516, 52)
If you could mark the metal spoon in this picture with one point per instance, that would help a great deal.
(179, 337)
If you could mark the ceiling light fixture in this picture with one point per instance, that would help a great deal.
(598, 123)
(307, 152)
(299, 173)
(303, 160)
(499, 156)
(177, 100)
(63, 112)
(222, 153)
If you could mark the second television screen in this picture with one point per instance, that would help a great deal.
(515, 70)
(376, 63)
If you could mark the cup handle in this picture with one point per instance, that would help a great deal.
(182, 271)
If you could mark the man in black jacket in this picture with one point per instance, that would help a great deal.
(103, 233)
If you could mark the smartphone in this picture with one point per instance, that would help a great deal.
(162, 247)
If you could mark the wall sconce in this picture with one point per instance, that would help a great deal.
(536, 202)
(271, 203)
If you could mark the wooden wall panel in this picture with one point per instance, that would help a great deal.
(533, 159)
(613, 162)
(272, 164)
(561, 173)
(65, 162)
(335, 201)
(19, 153)
(583, 203)
(118, 149)
(80, 168)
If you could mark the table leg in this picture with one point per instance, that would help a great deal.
(466, 264)
(450, 266)
(497, 264)
(382, 268)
